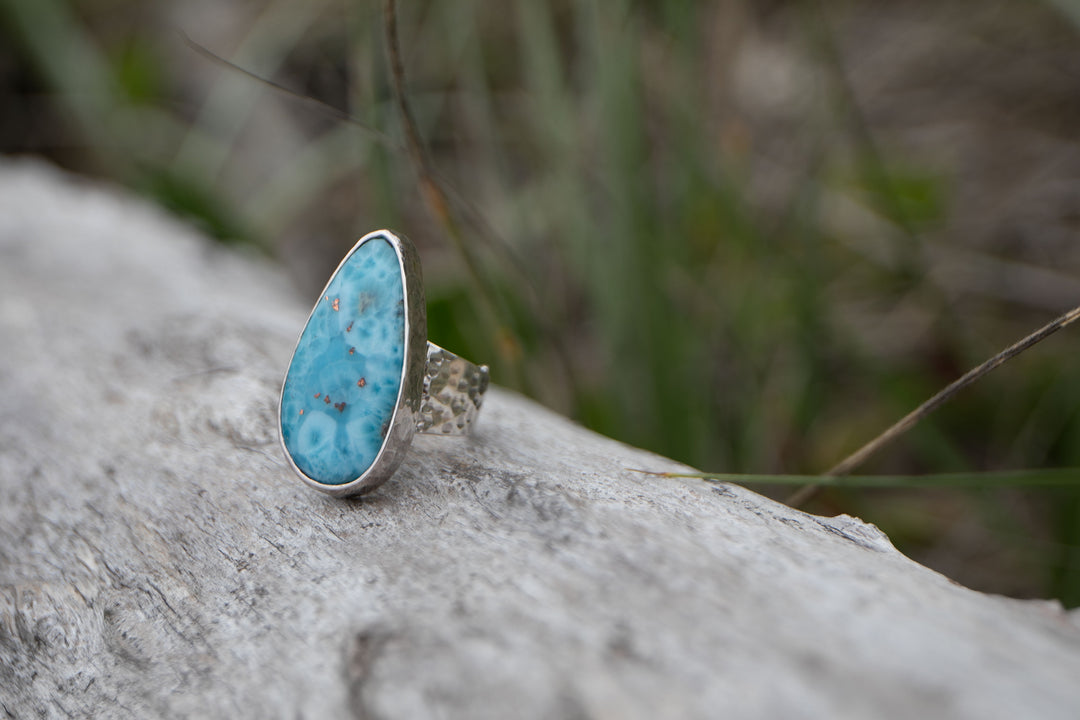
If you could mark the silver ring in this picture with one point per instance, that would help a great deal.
(363, 378)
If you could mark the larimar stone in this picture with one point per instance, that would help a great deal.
(343, 383)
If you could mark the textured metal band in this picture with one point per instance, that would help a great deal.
(453, 391)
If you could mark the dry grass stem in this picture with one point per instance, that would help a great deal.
(907, 422)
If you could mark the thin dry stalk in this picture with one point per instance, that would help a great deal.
(845, 466)
(433, 194)
(312, 102)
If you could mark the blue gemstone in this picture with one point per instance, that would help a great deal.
(345, 376)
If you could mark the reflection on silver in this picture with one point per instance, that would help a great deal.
(453, 391)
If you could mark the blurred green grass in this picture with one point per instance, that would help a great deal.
(739, 234)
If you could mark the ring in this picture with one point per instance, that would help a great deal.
(363, 378)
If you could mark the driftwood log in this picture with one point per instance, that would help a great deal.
(158, 559)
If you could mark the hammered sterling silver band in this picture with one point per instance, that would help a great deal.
(453, 391)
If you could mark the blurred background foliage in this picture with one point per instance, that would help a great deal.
(745, 234)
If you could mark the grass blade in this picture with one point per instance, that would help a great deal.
(1039, 477)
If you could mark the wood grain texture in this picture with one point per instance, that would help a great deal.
(157, 559)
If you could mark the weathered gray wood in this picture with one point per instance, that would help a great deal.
(157, 558)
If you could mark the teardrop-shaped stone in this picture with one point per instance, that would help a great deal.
(343, 383)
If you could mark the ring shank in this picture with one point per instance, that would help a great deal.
(453, 391)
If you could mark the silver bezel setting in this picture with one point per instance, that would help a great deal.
(403, 422)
